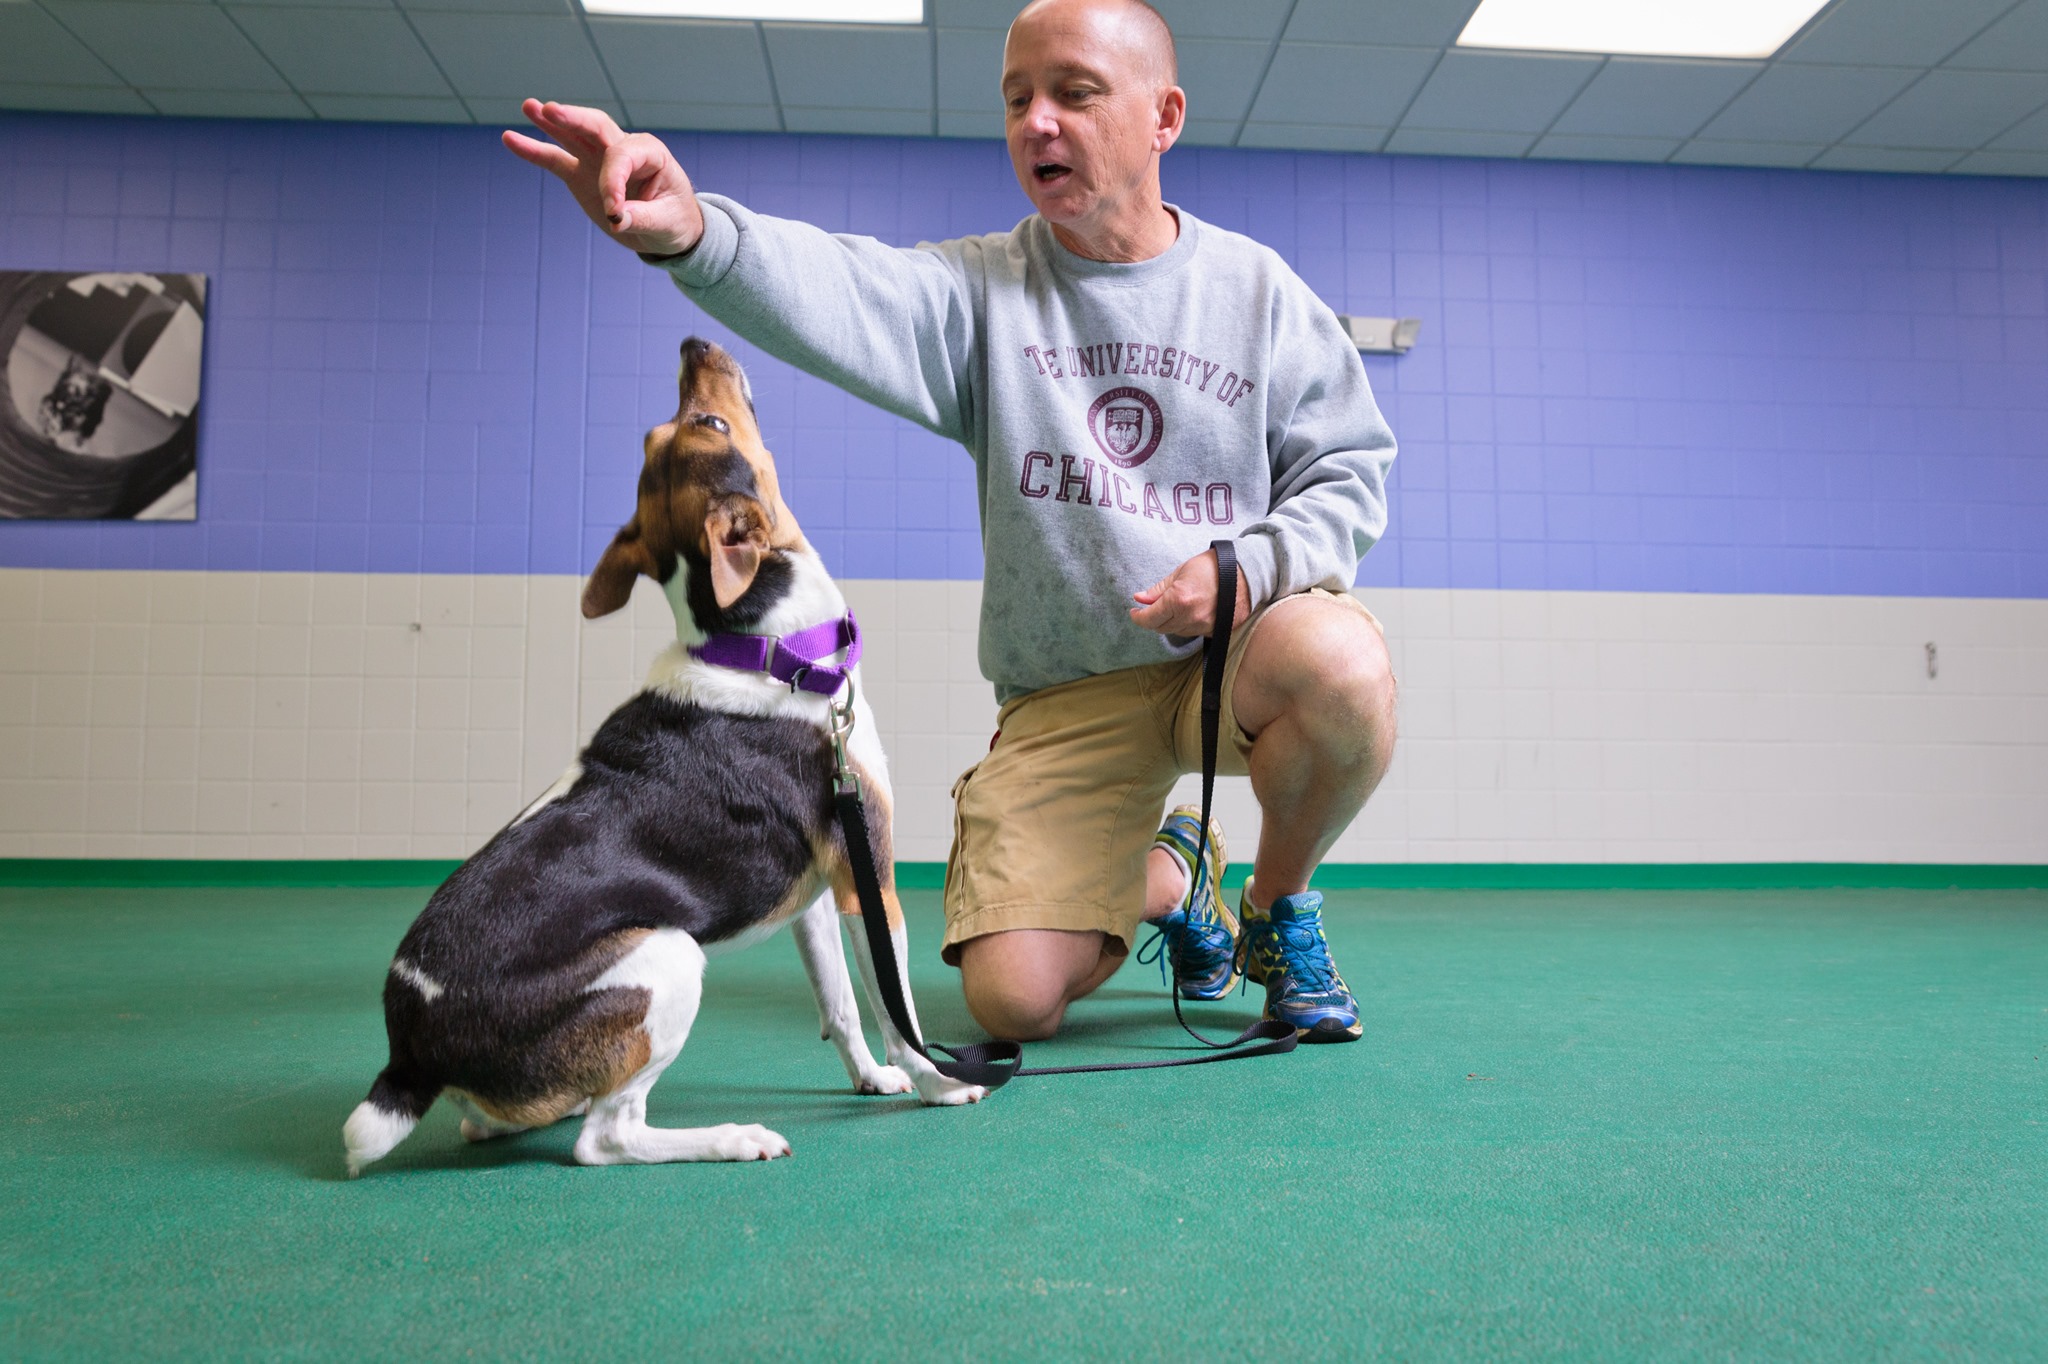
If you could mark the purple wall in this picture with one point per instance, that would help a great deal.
(1630, 377)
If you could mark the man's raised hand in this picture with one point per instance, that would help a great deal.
(627, 182)
(1184, 601)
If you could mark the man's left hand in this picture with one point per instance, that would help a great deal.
(1184, 601)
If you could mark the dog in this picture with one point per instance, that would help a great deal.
(558, 971)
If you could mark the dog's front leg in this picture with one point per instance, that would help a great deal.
(817, 942)
(932, 1087)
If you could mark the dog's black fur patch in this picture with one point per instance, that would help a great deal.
(683, 817)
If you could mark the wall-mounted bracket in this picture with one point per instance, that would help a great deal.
(1382, 335)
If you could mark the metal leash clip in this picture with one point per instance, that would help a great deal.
(844, 778)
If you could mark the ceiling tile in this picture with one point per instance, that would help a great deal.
(1960, 109)
(346, 51)
(389, 109)
(1654, 97)
(326, 4)
(1719, 152)
(752, 118)
(684, 63)
(1499, 91)
(1884, 159)
(2029, 136)
(888, 122)
(1220, 77)
(1457, 142)
(995, 14)
(1316, 137)
(818, 65)
(169, 46)
(1579, 147)
(1812, 104)
(2002, 163)
(1380, 23)
(73, 99)
(1208, 132)
(1221, 19)
(513, 56)
(958, 123)
(229, 103)
(971, 69)
(560, 7)
(1894, 32)
(34, 47)
(2018, 42)
(1328, 84)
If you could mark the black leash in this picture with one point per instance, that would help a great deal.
(1215, 655)
(994, 1064)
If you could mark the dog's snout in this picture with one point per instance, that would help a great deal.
(695, 348)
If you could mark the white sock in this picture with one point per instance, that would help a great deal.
(1187, 876)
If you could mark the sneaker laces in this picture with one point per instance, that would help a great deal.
(1303, 952)
(1185, 946)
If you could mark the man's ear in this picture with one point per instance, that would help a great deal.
(1173, 120)
(611, 582)
(735, 538)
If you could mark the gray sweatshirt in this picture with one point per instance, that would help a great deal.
(1120, 416)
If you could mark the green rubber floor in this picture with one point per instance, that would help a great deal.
(1582, 1125)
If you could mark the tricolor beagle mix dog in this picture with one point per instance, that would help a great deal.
(557, 972)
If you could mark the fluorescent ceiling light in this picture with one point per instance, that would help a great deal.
(1655, 28)
(788, 11)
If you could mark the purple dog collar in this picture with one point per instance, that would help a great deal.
(793, 659)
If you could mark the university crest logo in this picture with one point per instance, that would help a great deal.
(1126, 423)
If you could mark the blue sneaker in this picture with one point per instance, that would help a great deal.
(1284, 950)
(1198, 937)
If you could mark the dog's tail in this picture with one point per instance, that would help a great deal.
(396, 1104)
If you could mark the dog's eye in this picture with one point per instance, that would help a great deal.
(715, 422)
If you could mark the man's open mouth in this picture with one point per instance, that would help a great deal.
(1049, 171)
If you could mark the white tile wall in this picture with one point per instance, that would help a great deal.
(335, 715)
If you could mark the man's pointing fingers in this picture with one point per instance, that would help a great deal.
(628, 184)
(543, 154)
(590, 130)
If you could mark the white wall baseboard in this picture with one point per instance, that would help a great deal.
(283, 715)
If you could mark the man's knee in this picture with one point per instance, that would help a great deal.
(1326, 666)
(1010, 1013)
(1011, 1004)
(1357, 680)
(1018, 984)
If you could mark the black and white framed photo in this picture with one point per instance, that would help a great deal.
(99, 395)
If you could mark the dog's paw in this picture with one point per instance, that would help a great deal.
(884, 1080)
(746, 1141)
(936, 1090)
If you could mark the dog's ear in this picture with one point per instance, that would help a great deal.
(611, 582)
(735, 539)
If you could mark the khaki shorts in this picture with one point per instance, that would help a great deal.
(1050, 830)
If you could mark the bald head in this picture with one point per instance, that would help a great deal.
(1138, 30)
(1090, 104)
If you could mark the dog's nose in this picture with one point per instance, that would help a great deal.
(695, 348)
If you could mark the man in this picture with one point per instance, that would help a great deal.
(1132, 384)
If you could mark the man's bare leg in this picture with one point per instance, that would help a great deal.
(1316, 692)
(1018, 984)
